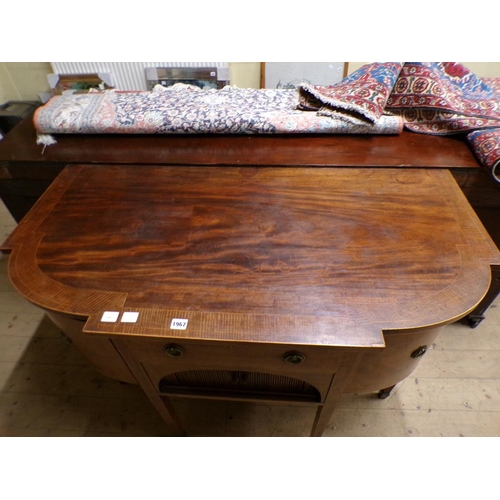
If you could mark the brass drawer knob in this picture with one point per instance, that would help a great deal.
(173, 350)
(419, 352)
(294, 358)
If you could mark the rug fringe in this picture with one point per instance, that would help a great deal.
(45, 140)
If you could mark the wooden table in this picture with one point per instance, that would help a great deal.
(27, 170)
(290, 285)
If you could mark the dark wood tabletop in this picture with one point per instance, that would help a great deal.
(27, 168)
(275, 254)
(407, 149)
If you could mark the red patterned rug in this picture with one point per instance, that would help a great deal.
(442, 98)
(361, 97)
(447, 98)
(432, 98)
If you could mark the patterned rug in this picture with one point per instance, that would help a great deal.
(359, 98)
(379, 98)
(432, 98)
(186, 109)
(446, 98)
(442, 98)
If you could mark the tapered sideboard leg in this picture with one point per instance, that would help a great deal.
(386, 392)
(162, 404)
(345, 372)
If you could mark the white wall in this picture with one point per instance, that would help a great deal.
(25, 80)
(483, 69)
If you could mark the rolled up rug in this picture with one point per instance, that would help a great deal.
(183, 110)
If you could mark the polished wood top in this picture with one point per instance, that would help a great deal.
(405, 150)
(309, 256)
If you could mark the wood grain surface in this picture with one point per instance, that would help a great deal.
(323, 256)
(406, 149)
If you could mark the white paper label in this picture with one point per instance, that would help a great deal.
(178, 324)
(130, 317)
(110, 316)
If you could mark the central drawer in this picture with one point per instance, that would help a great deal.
(237, 369)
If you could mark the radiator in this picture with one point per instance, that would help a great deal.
(126, 75)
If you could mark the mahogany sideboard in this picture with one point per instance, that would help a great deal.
(287, 285)
(27, 169)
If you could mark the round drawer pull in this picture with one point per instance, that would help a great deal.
(173, 350)
(294, 358)
(419, 352)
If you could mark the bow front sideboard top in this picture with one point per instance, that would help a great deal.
(290, 285)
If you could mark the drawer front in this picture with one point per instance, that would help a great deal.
(404, 351)
(199, 367)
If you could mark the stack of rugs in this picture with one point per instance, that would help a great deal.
(379, 98)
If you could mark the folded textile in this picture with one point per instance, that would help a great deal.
(188, 110)
(444, 98)
(434, 98)
(447, 98)
(362, 96)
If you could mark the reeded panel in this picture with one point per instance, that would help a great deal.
(227, 383)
